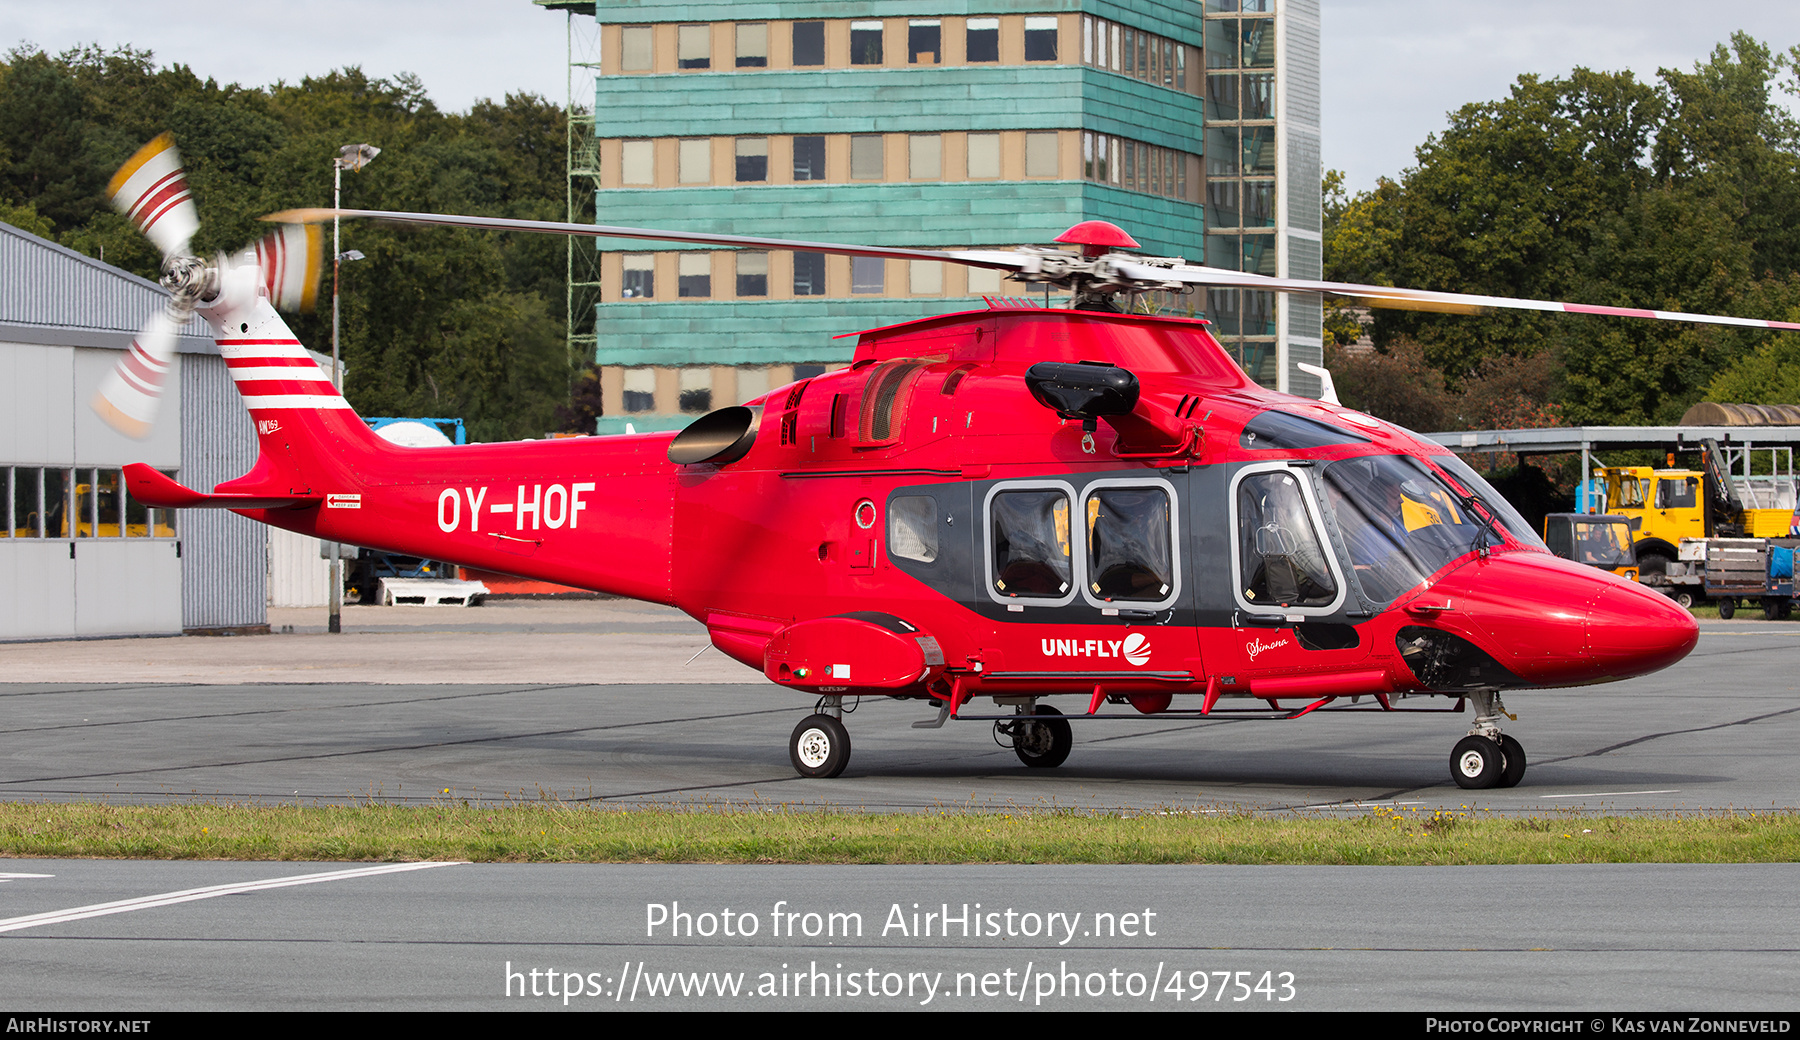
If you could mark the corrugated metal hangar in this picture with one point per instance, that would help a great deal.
(77, 558)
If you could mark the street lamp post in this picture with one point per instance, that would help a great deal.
(352, 157)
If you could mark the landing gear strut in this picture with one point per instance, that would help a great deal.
(1486, 757)
(820, 746)
(1041, 739)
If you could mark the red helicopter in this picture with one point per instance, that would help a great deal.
(993, 507)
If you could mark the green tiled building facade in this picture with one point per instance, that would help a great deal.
(932, 124)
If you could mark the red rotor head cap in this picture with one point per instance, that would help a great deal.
(1096, 237)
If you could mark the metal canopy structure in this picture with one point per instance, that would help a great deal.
(1738, 441)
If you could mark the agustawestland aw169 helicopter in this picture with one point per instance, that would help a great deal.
(993, 507)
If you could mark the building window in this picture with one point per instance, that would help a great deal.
(983, 40)
(868, 274)
(1259, 203)
(693, 275)
(1040, 155)
(924, 41)
(752, 383)
(1259, 42)
(924, 277)
(640, 48)
(1040, 39)
(638, 162)
(865, 157)
(693, 47)
(984, 156)
(696, 390)
(639, 280)
(1259, 95)
(1221, 98)
(809, 43)
(925, 157)
(753, 274)
(809, 158)
(984, 280)
(640, 390)
(808, 371)
(809, 274)
(1259, 150)
(865, 43)
(1222, 204)
(694, 164)
(752, 159)
(753, 45)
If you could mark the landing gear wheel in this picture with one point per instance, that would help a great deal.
(1477, 763)
(819, 747)
(1727, 607)
(1044, 744)
(1514, 754)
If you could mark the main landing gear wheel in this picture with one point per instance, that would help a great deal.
(1478, 763)
(819, 747)
(1514, 755)
(1044, 743)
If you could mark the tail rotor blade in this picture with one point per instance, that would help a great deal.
(151, 190)
(129, 397)
(292, 257)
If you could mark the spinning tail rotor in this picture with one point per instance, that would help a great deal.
(151, 190)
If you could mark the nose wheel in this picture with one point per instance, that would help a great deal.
(1480, 762)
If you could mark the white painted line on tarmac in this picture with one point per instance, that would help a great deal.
(4, 878)
(1608, 794)
(80, 913)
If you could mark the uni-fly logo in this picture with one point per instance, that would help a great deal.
(1134, 648)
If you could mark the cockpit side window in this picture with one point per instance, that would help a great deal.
(1400, 522)
(1282, 561)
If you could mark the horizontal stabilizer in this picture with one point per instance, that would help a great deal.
(153, 488)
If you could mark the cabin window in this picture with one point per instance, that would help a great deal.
(1030, 554)
(1130, 544)
(912, 528)
(1282, 563)
(1676, 492)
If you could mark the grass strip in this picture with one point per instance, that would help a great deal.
(555, 833)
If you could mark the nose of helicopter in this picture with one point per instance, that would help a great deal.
(1554, 622)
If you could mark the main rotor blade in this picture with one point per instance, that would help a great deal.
(999, 260)
(151, 190)
(1392, 297)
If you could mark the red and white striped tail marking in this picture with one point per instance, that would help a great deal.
(278, 373)
(151, 190)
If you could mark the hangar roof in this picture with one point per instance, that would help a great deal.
(53, 295)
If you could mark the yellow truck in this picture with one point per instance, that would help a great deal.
(1674, 513)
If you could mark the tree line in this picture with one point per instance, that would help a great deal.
(1682, 194)
(434, 322)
